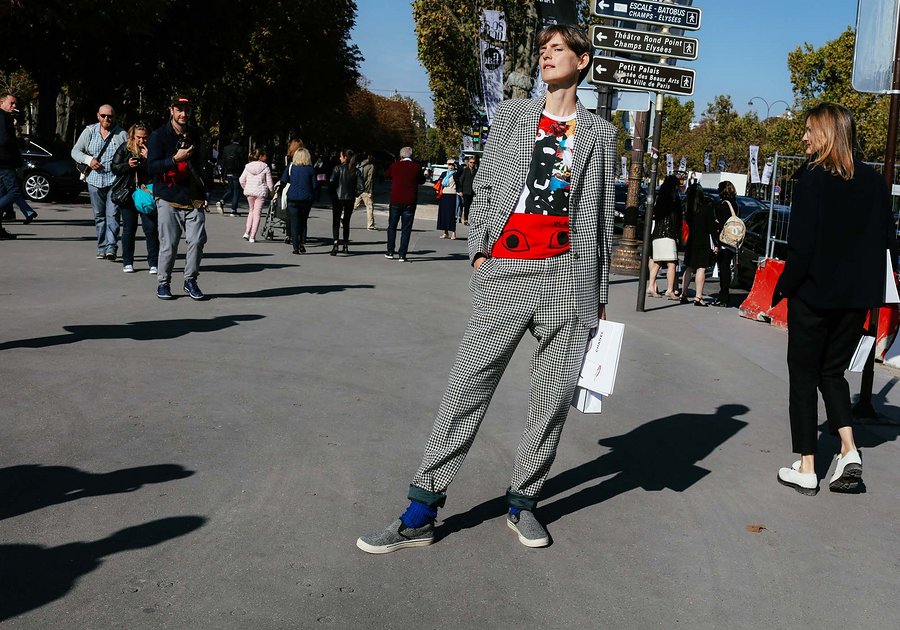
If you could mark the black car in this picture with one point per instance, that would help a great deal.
(49, 171)
(620, 203)
(745, 205)
(754, 247)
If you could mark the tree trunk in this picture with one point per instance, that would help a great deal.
(520, 62)
(46, 118)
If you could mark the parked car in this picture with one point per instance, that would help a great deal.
(621, 191)
(49, 171)
(745, 205)
(754, 247)
(435, 171)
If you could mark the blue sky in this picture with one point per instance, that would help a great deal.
(743, 47)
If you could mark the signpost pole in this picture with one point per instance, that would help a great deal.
(651, 203)
(864, 410)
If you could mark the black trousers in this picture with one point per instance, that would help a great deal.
(341, 209)
(299, 214)
(723, 259)
(820, 345)
(467, 203)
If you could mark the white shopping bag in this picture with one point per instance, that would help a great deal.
(861, 355)
(715, 271)
(890, 285)
(601, 358)
(587, 401)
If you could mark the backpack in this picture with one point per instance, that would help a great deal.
(734, 230)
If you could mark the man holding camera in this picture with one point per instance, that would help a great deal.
(180, 192)
(95, 148)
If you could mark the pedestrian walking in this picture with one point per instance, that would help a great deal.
(346, 183)
(406, 176)
(180, 197)
(300, 176)
(130, 167)
(667, 218)
(836, 269)
(10, 163)
(367, 171)
(95, 148)
(541, 256)
(256, 180)
(447, 204)
(698, 251)
(233, 157)
(724, 255)
(464, 187)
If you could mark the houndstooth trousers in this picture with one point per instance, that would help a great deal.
(510, 297)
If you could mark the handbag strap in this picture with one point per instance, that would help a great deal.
(729, 207)
(105, 144)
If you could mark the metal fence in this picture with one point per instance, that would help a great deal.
(782, 194)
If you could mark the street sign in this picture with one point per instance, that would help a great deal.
(644, 42)
(652, 77)
(662, 13)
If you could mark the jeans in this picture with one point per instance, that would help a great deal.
(129, 231)
(299, 213)
(11, 193)
(396, 213)
(341, 210)
(172, 222)
(106, 218)
(232, 192)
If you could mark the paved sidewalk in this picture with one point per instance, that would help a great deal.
(210, 464)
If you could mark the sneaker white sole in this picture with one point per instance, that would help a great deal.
(528, 542)
(422, 542)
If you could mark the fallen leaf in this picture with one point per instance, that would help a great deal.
(755, 528)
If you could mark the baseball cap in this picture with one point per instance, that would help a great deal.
(181, 102)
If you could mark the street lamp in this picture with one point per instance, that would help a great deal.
(768, 107)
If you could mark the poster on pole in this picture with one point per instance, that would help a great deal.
(670, 164)
(767, 172)
(754, 166)
(624, 167)
(493, 33)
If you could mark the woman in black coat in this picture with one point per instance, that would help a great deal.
(698, 251)
(835, 271)
(345, 181)
(130, 166)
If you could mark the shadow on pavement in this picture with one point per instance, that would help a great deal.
(657, 455)
(245, 267)
(32, 575)
(321, 289)
(226, 255)
(32, 487)
(138, 331)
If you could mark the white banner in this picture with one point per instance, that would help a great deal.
(754, 167)
(707, 159)
(624, 167)
(670, 164)
(493, 31)
(682, 164)
(767, 173)
(468, 145)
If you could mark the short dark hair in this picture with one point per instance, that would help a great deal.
(727, 190)
(575, 38)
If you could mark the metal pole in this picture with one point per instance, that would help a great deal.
(651, 203)
(864, 408)
(769, 247)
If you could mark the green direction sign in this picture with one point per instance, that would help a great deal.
(652, 77)
(644, 42)
(662, 13)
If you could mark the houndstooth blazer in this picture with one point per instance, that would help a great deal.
(501, 178)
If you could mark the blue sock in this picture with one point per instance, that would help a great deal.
(418, 514)
(514, 511)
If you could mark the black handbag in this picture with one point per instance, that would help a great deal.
(122, 189)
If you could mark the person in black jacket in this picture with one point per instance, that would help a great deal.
(346, 181)
(464, 180)
(130, 166)
(841, 227)
(10, 161)
(698, 251)
(234, 156)
(724, 254)
(180, 194)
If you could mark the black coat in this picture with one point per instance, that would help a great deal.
(125, 175)
(838, 233)
(10, 153)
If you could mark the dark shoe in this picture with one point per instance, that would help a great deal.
(302, 249)
(333, 251)
(163, 292)
(531, 532)
(345, 250)
(296, 251)
(389, 256)
(6, 236)
(683, 300)
(403, 259)
(31, 217)
(396, 536)
(191, 288)
(111, 256)
(700, 303)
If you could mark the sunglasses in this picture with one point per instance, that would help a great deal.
(105, 116)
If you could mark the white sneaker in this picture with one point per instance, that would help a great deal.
(252, 240)
(220, 207)
(128, 268)
(246, 235)
(153, 270)
(804, 483)
(847, 473)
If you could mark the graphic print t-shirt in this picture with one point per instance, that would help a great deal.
(539, 226)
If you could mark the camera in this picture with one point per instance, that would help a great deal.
(184, 141)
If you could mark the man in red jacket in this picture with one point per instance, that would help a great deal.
(406, 176)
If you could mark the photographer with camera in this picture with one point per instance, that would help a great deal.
(95, 149)
(10, 163)
(180, 193)
(130, 166)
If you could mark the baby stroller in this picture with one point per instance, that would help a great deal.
(276, 219)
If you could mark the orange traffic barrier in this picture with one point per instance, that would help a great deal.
(758, 303)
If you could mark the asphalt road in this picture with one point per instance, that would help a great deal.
(210, 464)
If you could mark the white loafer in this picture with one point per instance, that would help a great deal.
(847, 473)
(804, 483)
